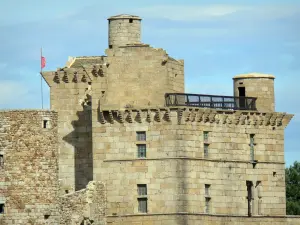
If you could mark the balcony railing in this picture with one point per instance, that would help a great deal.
(210, 101)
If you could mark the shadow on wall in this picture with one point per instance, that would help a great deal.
(81, 139)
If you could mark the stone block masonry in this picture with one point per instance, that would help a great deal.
(30, 185)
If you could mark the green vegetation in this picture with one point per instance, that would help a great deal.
(292, 180)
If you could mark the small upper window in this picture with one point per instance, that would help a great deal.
(141, 136)
(1, 161)
(46, 123)
(130, 20)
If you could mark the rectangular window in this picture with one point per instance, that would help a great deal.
(1, 161)
(205, 135)
(141, 151)
(207, 205)
(141, 136)
(206, 150)
(142, 189)
(2, 208)
(252, 147)
(142, 205)
(207, 186)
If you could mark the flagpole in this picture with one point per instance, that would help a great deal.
(42, 80)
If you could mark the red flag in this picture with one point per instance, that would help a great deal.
(43, 62)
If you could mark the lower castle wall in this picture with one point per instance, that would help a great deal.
(186, 219)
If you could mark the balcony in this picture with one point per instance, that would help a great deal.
(210, 101)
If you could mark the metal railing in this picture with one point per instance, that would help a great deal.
(210, 101)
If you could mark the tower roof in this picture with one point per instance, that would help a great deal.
(254, 75)
(124, 16)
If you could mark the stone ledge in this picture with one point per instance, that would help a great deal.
(190, 158)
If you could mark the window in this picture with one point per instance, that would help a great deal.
(1, 161)
(141, 151)
(142, 205)
(142, 199)
(252, 147)
(142, 189)
(46, 123)
(206, 150)
(130, 20)
(2, 208)
(207, 205)
(207, 186)
(141, 136)
(110, 46)
(205, 135)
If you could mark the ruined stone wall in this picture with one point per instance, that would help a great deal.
(30, 167)
(176, 169)
(138, 76)
(176, 75)
(198, 219)
(70, 96)
(84, 206)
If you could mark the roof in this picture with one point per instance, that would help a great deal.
(124, 16)
(74, 62)
(254, 75)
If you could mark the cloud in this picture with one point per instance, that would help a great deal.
(206, 12)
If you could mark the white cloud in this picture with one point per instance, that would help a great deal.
(207, 12)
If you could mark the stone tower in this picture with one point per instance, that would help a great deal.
(256, 85)
(124, 29)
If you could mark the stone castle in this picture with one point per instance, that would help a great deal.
(124, 144)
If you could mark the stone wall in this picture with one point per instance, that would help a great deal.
(70, 96)
(198, 219)
(30, 166)
(86, 205)
(176, 169)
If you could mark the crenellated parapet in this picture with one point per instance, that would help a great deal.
(191, 115)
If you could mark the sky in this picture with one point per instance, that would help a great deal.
(217, 40)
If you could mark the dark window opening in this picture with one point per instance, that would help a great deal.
(274, 174)
(207, 205)
(110, 46)
(130, 20)
(207, 186)
(46, 217)
(103, 94)
(1, 161)
(249, 185)
(2, 208)
(45, 124)
(242, 95)
(67, 191)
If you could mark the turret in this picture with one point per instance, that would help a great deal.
(256, 85)
(124, 29)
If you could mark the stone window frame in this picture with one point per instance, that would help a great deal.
(207, 190)
(205, 150)
(207, 205)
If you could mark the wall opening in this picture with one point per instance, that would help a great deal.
(110, 46)
(46, 217)
(2, 206)
(1, 161)
(46, 123)
(130, 20)
(142, 198)
(249, 185)
(242, 95)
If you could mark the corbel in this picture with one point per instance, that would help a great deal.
(179, 115)
(101, 117)
(120, 115)
(129, 116)
(111, 116)
(56, 77)
(65, 77)
(167, 115)
(138, 116)
(157, 115)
